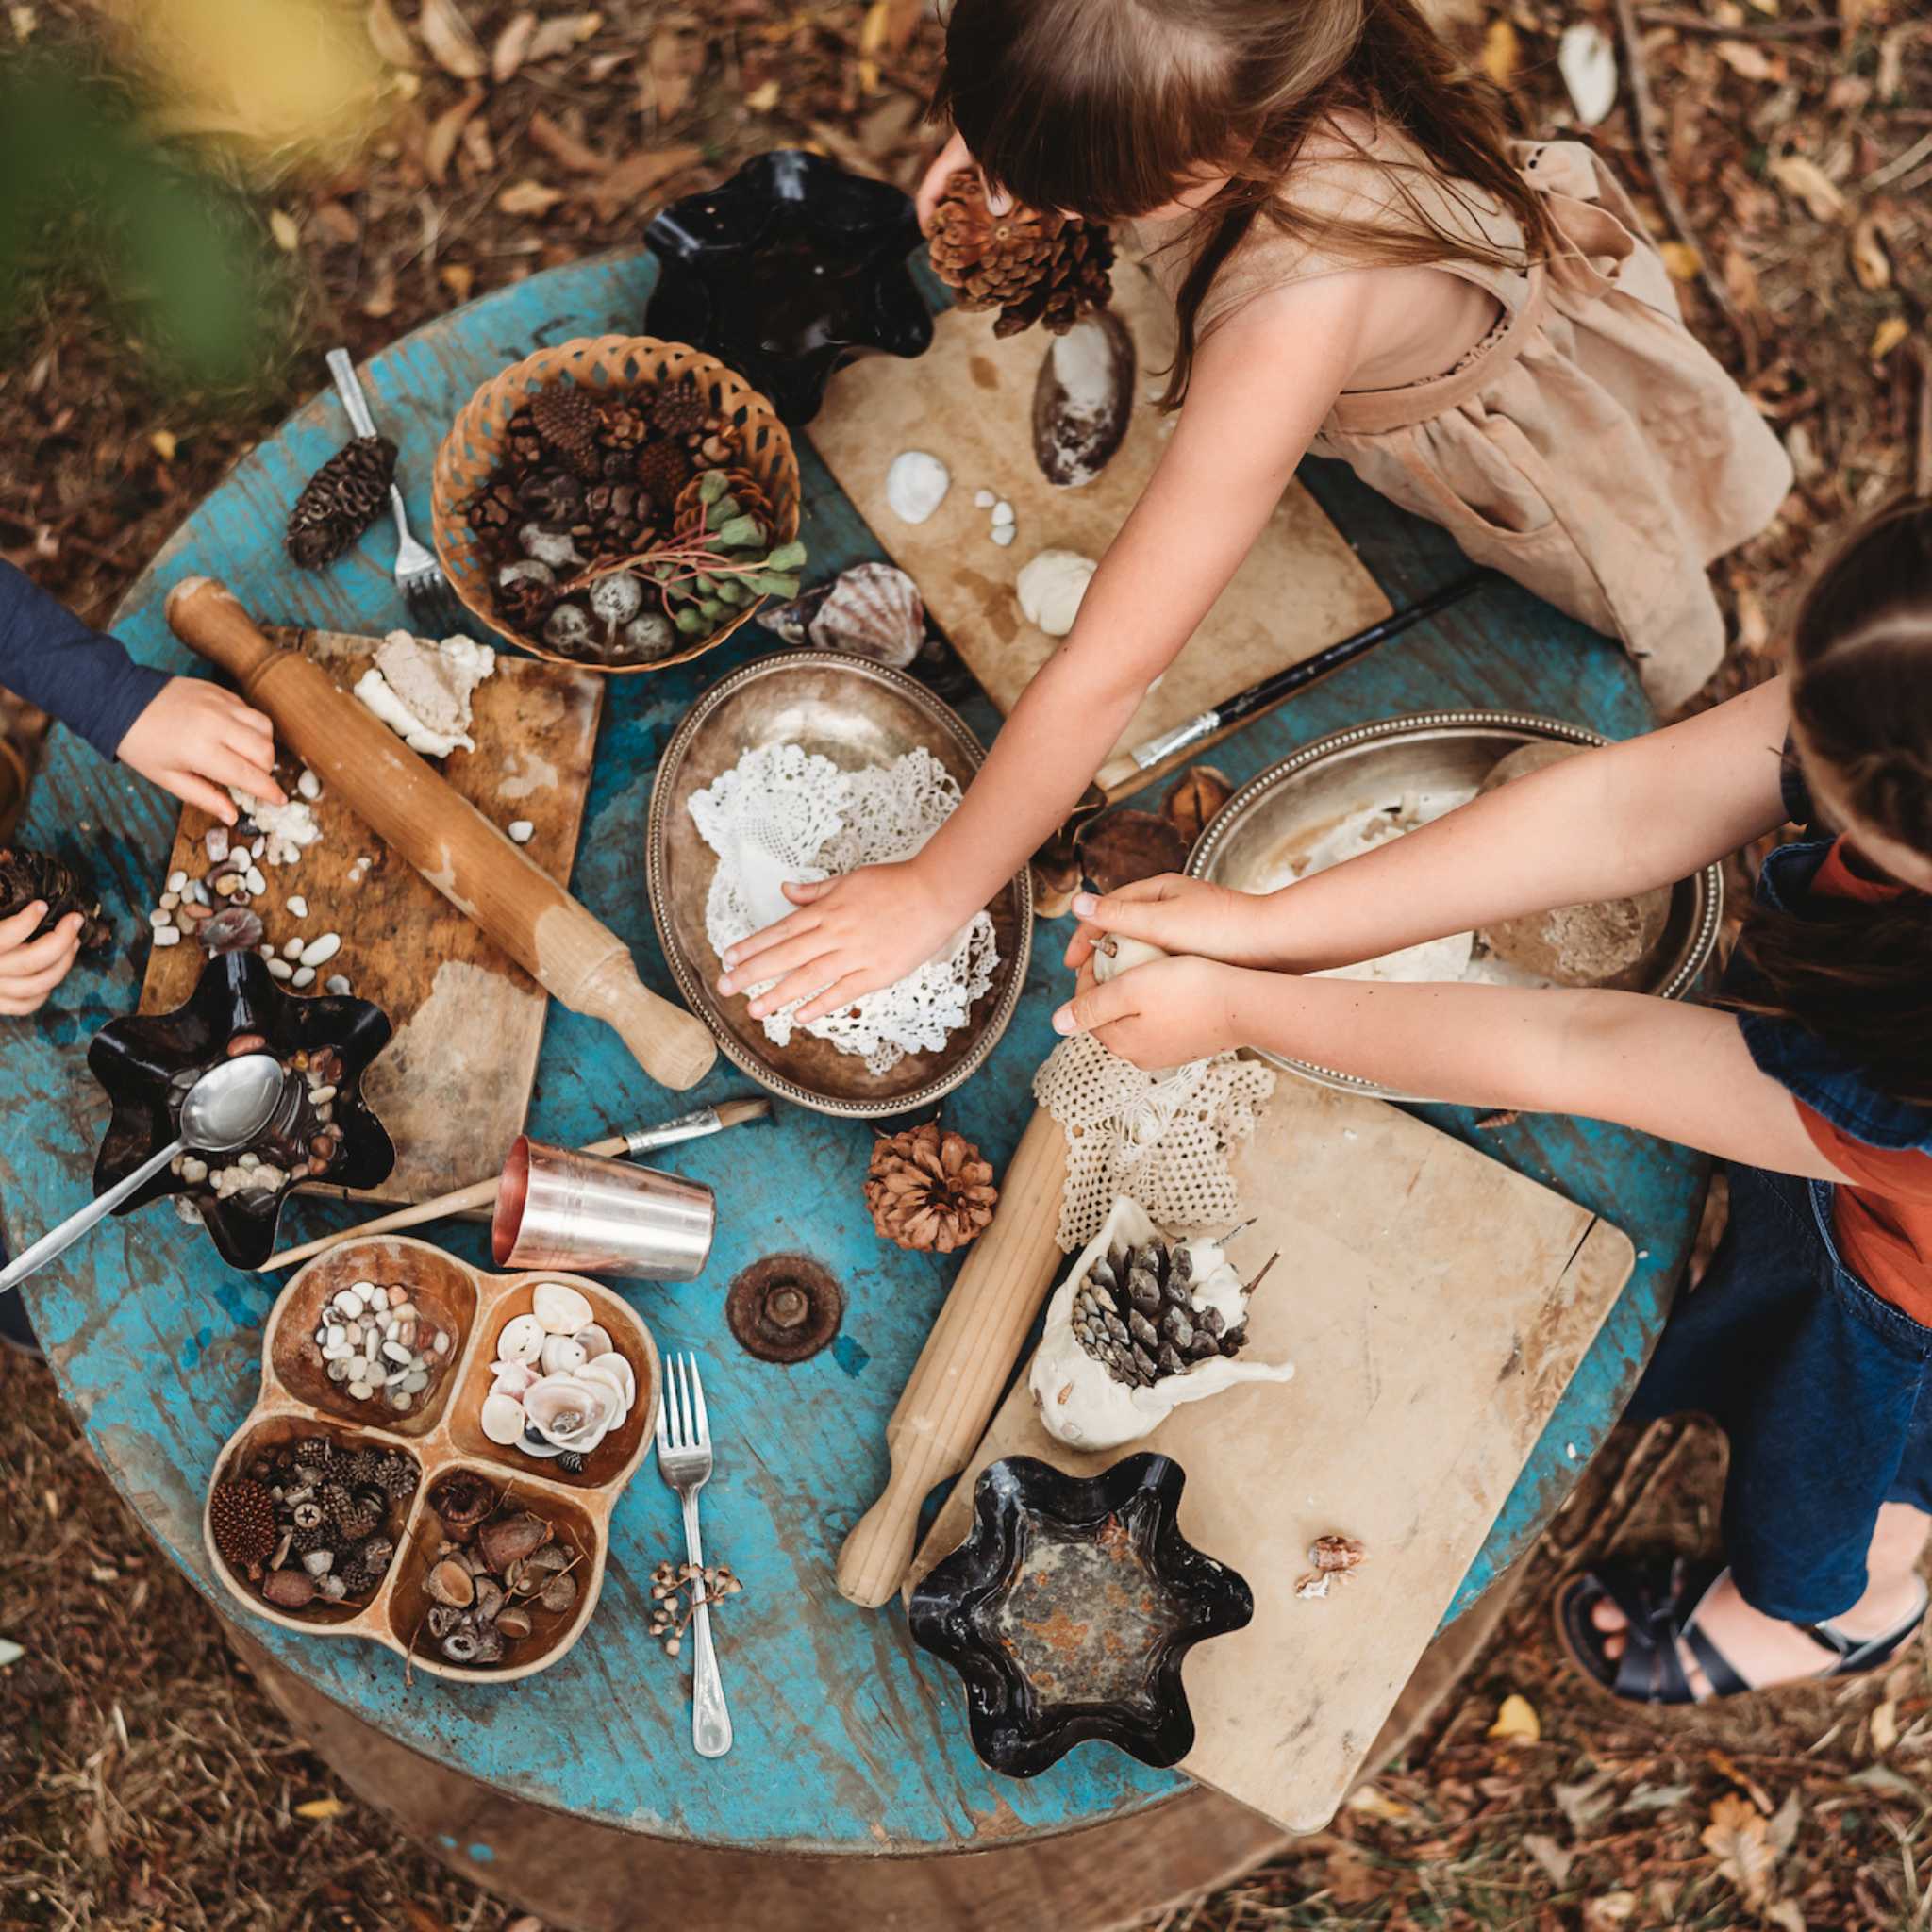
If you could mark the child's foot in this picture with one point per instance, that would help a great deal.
(1683, 1634)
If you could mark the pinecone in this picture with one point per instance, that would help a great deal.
(681, 410)
(341, 501)
(302, 1541)
(241, 1517)
(494, 515)
(624, 426)
(27, 876)
(521, 442)
(1032, 266)
(526, 600)
(364, 1564)
(398, 1476)
(928, 1189)
(740, 485)
(663, 469)
(567, 420)
(352, 1513)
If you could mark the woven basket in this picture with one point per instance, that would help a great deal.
(604, 365)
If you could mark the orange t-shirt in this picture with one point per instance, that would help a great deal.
(1883, 1220)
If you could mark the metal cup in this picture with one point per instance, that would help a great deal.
(559, 1209)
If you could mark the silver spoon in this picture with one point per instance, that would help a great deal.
(225, 1109)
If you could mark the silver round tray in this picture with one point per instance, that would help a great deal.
(856, 714)
(1294, 802)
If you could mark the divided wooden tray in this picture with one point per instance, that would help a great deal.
(297, 1399)
(451, 1109)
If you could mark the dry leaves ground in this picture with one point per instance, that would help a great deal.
(144, 1783)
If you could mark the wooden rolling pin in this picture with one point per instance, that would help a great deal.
(964, 1367)
(571, 953)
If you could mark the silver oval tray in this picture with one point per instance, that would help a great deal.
(856, 714)
(1291, 805)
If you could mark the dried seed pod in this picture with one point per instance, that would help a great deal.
(462, 1499)
(450, 1584)
(241, 1517)
(1333, 1552)
(460, 1646)
(559, 1593)
(1192, 799)
(288, 1589)
(502, 1542)
(514, 1621)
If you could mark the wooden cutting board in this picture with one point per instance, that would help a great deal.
(969, 400)
(453, 1085)
(1435, 1304)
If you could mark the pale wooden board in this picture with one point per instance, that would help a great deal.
(453, 1085)
(969, 400)
(1435, 1304)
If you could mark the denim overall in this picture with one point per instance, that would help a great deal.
(1823, 1390)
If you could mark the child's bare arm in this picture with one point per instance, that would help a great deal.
(1248, 419)
(1603, 825)
(1664, 1067)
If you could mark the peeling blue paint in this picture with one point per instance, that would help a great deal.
(848, 1355)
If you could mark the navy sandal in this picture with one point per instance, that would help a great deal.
(1660, 1602)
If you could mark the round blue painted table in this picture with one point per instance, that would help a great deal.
(848, 1741)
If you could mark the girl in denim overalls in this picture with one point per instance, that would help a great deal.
(1811, 1338)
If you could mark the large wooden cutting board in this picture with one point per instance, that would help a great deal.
(1435, 1304)
(969, 400)
(453, 1085)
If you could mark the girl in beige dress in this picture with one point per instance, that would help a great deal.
(1364, 266)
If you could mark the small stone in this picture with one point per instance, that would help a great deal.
(1003, 534)
(521, 831)
(281, 969)
(177, 881)
(361, 1391)
(298, 905)
(337, 983)
(1002, 512)
(170, 900)
(256, 883)
(194, 1169)
(984, 499)
(292, 949)
(303, 975)
(215, 843)
(167, 934)
(319, 952)
(308, 785)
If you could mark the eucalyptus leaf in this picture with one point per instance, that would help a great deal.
(741, 533)
(704, 583)
(688, 621)
(711, 487)
(771, 583)
(732, 592)
(787, 557)
(711, 609)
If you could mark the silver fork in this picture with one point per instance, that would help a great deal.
(684, 1461)
(418, 576)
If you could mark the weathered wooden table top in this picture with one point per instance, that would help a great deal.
(848, 1740)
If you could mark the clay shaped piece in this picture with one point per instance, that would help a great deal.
(423, 690)
(788, 271)
(1080, 1402)
(1068, 1610)
(1051, 587)
(1082, 400)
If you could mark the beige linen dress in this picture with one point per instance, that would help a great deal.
(1589, 446)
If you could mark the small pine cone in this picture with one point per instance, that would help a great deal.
(494, 513)
(739, 485)
(566, 419)
(663, 469)
(27, 876)
(681, 410)
(302, 1541)
(521, 444)
(526, 601)
(929, 1190)
(347, 1512)
(624, 426)
(241, 1517)
(341, 501)
(1030, 264)
(315, 1452)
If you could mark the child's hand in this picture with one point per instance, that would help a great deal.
(1160, 1015)
(30, 968)
(950, 159)
(195, 739)
(852, 936)
(1178, 915)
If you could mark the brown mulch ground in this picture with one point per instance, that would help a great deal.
(145, 1782)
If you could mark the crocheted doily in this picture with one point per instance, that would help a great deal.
(783, 813)
(1161, 1139)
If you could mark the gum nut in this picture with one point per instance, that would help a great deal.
(594, 1341)
(618, 598)
(512, 1378)
(502, 1418)
(560, 1309)
(522, 1340)
(568, 629)
(916, 485)
(561, 1354)
(449, 1583)
(615, 1371)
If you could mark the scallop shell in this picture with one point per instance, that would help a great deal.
(522, 1340)
(616, 1372)
(572, 1412)
(594, 1341)
(874, 610)
(501, 1418)
(560, 1309)
(916, 485)
(512, 1378)
(562, 1354)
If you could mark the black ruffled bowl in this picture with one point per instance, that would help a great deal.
(136, 1059)
(786, 272)
(1018, 1631)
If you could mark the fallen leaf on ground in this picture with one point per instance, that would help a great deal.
(673, 65)
(387, 35)
(1888, 336)
(10, 1653)
(439, 144)
(166, 447)
(1584, 1804)
(1800, 175)
(1549, 1856)
(321, 1807)
(381, 302)
(560, 33)
(459, 278)
(1516, 1720)
(528, 198)
(337, 223)
(1373, 1802)
(1588, 63)
(1870, 263)
(1740, 1841)
(1745, 58)
(763, 97)
(1613, 1910)
(451, 43)
(561, 146)
(636, 175)
(1352, 1880)
(1785, 1914)
(1683, 261)
(513, 45)
(1502, 51)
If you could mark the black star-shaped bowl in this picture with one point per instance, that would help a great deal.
(137, 1059)
(1068, 1609)
(788, 271)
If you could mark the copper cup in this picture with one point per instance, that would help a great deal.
(559, 1209)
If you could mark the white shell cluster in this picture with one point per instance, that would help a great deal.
(561, 1385)
(376, 1341)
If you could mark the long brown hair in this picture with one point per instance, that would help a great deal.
(1858, 975)
(1107, 108)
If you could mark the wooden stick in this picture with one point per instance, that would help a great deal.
(569, 952)
(967, 1360)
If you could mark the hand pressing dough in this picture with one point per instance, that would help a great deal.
(1051, 587)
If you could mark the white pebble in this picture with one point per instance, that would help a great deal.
(292, 948)
(521, 830)
(158, 918)
(245, 1162)
(361, 1391)
(256, 845)
(415, 1382)
(167, 934)
(390, 1329)
(350, 1300)
(170, 900)
(176, 880)
(298, 905)
(1004, 534)
(194, 1169)
(337, 983)
(308, 785)
(303, 975)
(336, 1351)
(319, 952)
(321, 1095)
(334, 1331)
(396, 1353)
(984, 499)
(281, 969)
(443, 1344)
(338, 1369)
(256, 883)
(1003, 511)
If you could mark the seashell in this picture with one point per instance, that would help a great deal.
(916, 485)
(873, 610)
(562, 1354)
(522, 1340)
(234, 929)
(1115, 954)
(594, 1341)
(613, 1370)
(1082, 400)
(561, 1310)
(1050, 589)
(571, 1411)
(502, 1418)
(512, 1378)
(449, 1583)
(507, 1539)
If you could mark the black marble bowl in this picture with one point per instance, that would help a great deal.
(788, 271)
(137, 1059)
(1068, 1609)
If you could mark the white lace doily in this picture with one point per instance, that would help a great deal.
(1158, 1139)
(784, 814)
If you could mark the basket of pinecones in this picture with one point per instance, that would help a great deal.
(617, 502)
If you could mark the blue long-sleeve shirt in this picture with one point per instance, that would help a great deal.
(81, 676)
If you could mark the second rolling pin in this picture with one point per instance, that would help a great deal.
(564, 947)
(964, 1367)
